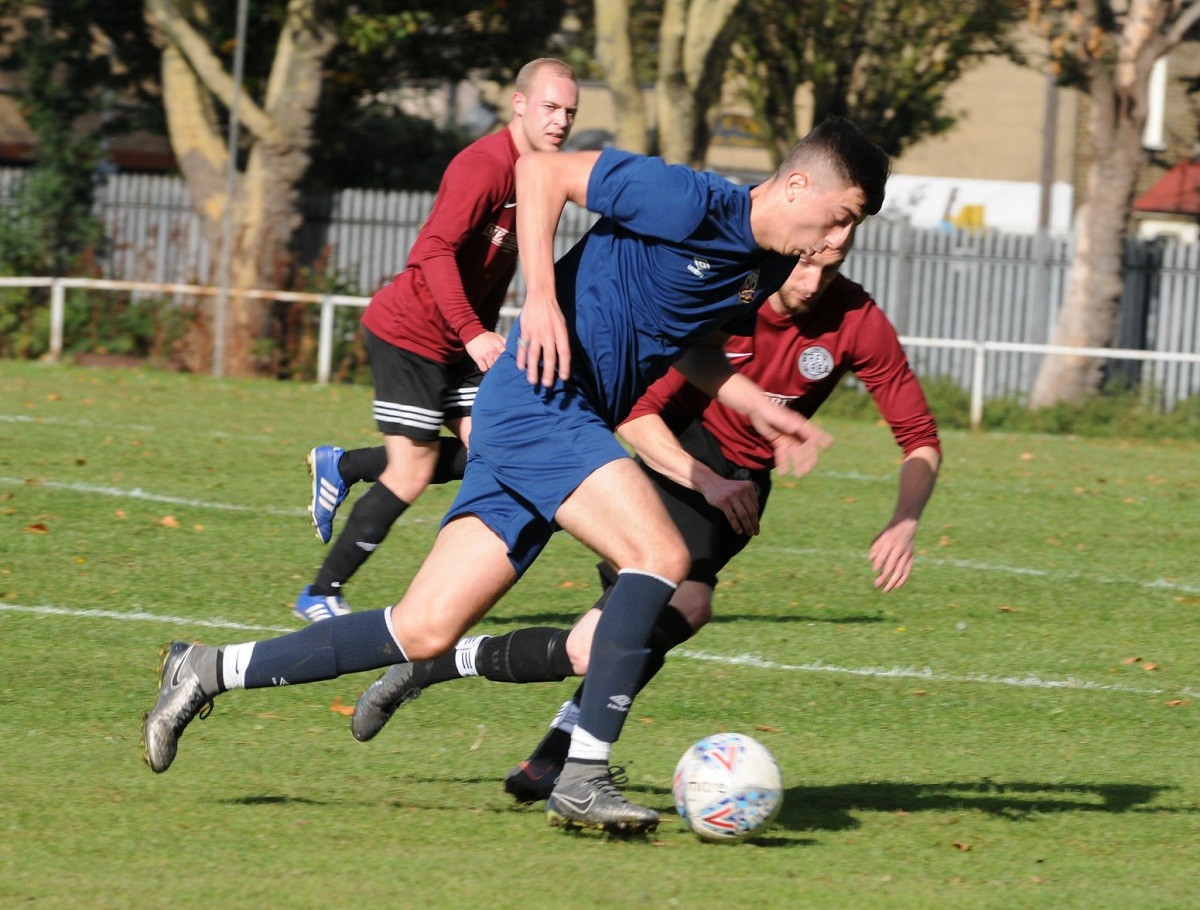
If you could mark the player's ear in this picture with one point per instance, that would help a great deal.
(795, 184)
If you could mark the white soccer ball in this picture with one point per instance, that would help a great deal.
(728, 787)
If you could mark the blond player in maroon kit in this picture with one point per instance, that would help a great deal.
(431, 335)
(713, 471)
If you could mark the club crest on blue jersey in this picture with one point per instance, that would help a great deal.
(749, 286)
(699, 267)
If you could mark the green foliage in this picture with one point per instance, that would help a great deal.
(887, 65)
(384, 148)
(367, 142)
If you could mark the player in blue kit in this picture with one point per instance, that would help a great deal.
(675, 257)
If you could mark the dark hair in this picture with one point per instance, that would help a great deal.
(847, 154)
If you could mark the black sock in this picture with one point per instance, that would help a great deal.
(537, 654)
(452, 460)
(369, 522)
(554, 746)
(358, 465)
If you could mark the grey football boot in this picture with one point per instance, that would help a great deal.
(585, 796)
(180, 698)
(401, 683)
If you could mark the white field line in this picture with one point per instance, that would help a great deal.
(1157, 584)
(923, 674)
(926, 674)
(140, 494)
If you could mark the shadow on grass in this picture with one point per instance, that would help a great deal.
(275, 801)
(833, 808)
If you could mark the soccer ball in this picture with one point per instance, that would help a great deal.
(728, 788)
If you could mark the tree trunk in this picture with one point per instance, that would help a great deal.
(1093, 295)
(694, 44)
(614, 54)
(1118, 71)
(265, 213)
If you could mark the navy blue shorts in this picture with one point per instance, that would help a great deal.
(530, 449)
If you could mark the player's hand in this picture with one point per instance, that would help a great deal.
(891, 555)
(485, 349)
(798, 442)
(738, 499)
(543, 349)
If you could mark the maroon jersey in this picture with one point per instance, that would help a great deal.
(459, 269)
(799, 361)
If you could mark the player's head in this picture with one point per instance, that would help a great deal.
(833, 179)
(544, 103)
(801, 293)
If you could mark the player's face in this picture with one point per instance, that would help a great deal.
(807, 282)
(547, 111)
(818, 217)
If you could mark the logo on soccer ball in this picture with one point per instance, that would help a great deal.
(815, 362)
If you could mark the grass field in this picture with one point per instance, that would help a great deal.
(1015, 728)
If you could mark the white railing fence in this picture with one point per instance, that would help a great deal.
(978, 351)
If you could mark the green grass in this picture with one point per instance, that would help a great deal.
(981, 738)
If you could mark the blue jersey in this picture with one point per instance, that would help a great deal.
(671, 260)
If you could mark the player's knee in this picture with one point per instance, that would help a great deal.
(579, 647)
(422, 640)
(406, 485)
(697, 613)
(669, 560)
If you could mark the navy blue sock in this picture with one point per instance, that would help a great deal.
(324, 650)
(620, 651)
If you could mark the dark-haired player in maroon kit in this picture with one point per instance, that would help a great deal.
(714, 473)
(431, 335)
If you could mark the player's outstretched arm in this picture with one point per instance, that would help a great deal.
(661, 450)
(798, 442)
(546, 181)
(891, 551)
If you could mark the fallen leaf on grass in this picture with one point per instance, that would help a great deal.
(1149, 666)
(37, 528)
(337, 707)
(1176, 702)
(1130, 660)
(768, 728)
(959, 845)
(169, 521)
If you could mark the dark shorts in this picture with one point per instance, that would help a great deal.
(414, 396)
(529, 452)
(710, 538)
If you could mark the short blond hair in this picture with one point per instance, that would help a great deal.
(529, 72)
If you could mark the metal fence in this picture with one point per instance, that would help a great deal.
(947, 292)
